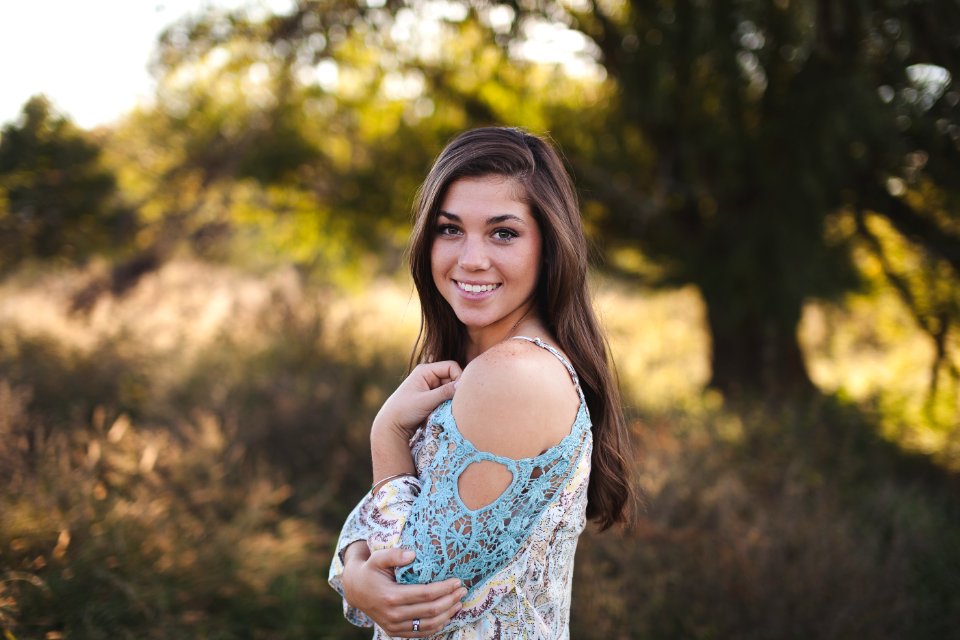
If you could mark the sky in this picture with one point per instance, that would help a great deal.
(89, 57)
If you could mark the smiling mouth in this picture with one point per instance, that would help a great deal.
(477, 288)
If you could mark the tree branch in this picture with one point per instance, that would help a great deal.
(916, 227)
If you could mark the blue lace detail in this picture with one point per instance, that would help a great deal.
(453, 540)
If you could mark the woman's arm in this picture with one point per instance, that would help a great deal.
(424, 389)
(362, 569)
(485, 489)
(366, 580)
(369, 585)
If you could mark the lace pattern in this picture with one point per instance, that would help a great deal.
(472, 544)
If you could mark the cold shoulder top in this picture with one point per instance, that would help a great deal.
(515, 554)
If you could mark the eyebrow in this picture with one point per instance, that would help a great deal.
(490, 221)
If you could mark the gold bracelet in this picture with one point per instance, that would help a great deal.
(377, 485)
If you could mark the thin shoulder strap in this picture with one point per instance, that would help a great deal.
(554, 351)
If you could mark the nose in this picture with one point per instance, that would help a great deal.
(473, 256)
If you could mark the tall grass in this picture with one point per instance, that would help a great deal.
(177, 462)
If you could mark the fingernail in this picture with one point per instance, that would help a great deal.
(407, 555)
(456, 383)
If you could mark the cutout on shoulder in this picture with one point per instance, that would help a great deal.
(482, 482)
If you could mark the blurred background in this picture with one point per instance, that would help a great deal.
(203, 300)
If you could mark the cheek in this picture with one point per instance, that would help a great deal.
(535, 261)
(438, 261)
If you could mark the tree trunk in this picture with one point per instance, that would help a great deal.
(755, 354)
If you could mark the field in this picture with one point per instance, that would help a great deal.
(175, 462)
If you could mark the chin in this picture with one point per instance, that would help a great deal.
(472, 322)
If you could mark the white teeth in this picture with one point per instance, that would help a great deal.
(477, 288)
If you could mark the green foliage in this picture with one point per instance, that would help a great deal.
(720, 145)
(56, 197)
(715, 145)
(739, 128)
(339, 104)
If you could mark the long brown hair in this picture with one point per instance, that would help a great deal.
(562, 296)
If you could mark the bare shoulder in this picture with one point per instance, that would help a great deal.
(515, 400)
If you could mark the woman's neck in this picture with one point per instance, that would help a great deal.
(523, 322)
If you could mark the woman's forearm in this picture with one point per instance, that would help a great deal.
(389, 451)
(417, 396)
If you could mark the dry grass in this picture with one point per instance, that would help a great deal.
(176, 464)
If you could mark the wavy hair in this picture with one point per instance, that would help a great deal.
(562, 295)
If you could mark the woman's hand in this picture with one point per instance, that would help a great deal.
(426, 387)
(369, 585)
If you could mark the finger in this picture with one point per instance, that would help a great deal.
(387, 559)
(407, 597)
(454, 370)
(430, 626)
(444, 392)
(422, 597)
(403, 626)
(445, 606)
(438, 373)
(449, 369)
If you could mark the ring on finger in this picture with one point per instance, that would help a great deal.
(416, 624)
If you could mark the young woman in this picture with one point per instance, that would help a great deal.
(490, 456)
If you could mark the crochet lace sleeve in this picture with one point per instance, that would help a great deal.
(452, 540)
(377, 520)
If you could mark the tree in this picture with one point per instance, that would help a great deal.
(56, 198)
(248, 97)
(755, 134)
(741, 147)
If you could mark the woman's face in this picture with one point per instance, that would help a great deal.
(486, 253)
